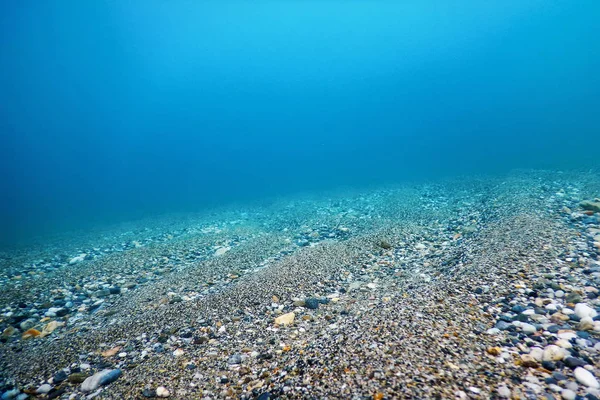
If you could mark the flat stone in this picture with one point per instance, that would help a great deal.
(101, 378)
(586, 378)
(285, 319)
(553, 353)
(582, 310)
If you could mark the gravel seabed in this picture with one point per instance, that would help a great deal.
(469, 288)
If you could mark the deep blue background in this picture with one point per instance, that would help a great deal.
(114, 109)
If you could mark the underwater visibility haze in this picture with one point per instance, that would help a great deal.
(363, 200)
(113, 110)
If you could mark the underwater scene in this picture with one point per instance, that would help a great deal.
(330, 199)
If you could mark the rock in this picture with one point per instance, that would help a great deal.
(591, 205)
(100, 379)
(494, 351)
(235, 359)
(51, 327)
(285, 319)
(178, 353)
(60, 376)
(568, 394)
(566, 334)
(586, 378)
(220, 251)
(537, 354)
(149, 393)
(528, 361)
(586, 324)
(553, 353)
(311, 303)
(582, 310)
(27, 324)
(111, 352)
(77, 259)
(162, 391)
(573, 298)
(528, 328)
(10, 394)
(573, 362)
(77, 377)
(31, 333)
(45, 388)
(503, 325)
(503, 392)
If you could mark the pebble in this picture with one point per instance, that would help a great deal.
(235, 359)
(582, 310)
(10, 394)
(504, 392)
(553, 353)
(149, 393)
(285, 319)
(568, 394)
(45, 388)
(528, 328)
(311, 303)
(586, 377)
(162, 391)
(100, 379)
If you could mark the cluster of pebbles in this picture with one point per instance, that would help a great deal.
(479, 288)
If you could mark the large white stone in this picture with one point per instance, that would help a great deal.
(582, 310)
(553, 353)
(585, 377)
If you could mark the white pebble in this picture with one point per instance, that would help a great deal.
(504, 392)
(553, 353)
(568, 394)
(585, 377)
(45, 388)
(582, 310)
(162, 391)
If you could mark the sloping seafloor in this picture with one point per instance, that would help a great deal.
(471, 288)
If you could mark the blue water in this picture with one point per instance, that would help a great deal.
(114, 110)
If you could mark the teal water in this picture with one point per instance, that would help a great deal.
(115, 110)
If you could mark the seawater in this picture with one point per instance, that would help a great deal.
(111, 111)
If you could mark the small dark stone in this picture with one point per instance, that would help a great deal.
(573, 362)
(583, 334)
(54, 393)
(506, 318)
(224, 380)
(479, 290)
(574, 317)
(502, 325)
(77, 377)
(264, 396)
(61, 312)
(311, 303)
(549, 365)
(517, 309)
(149, 393)
(522, 317)
(60, 376)
(559, 377)
(553, 328)
(114, 290)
